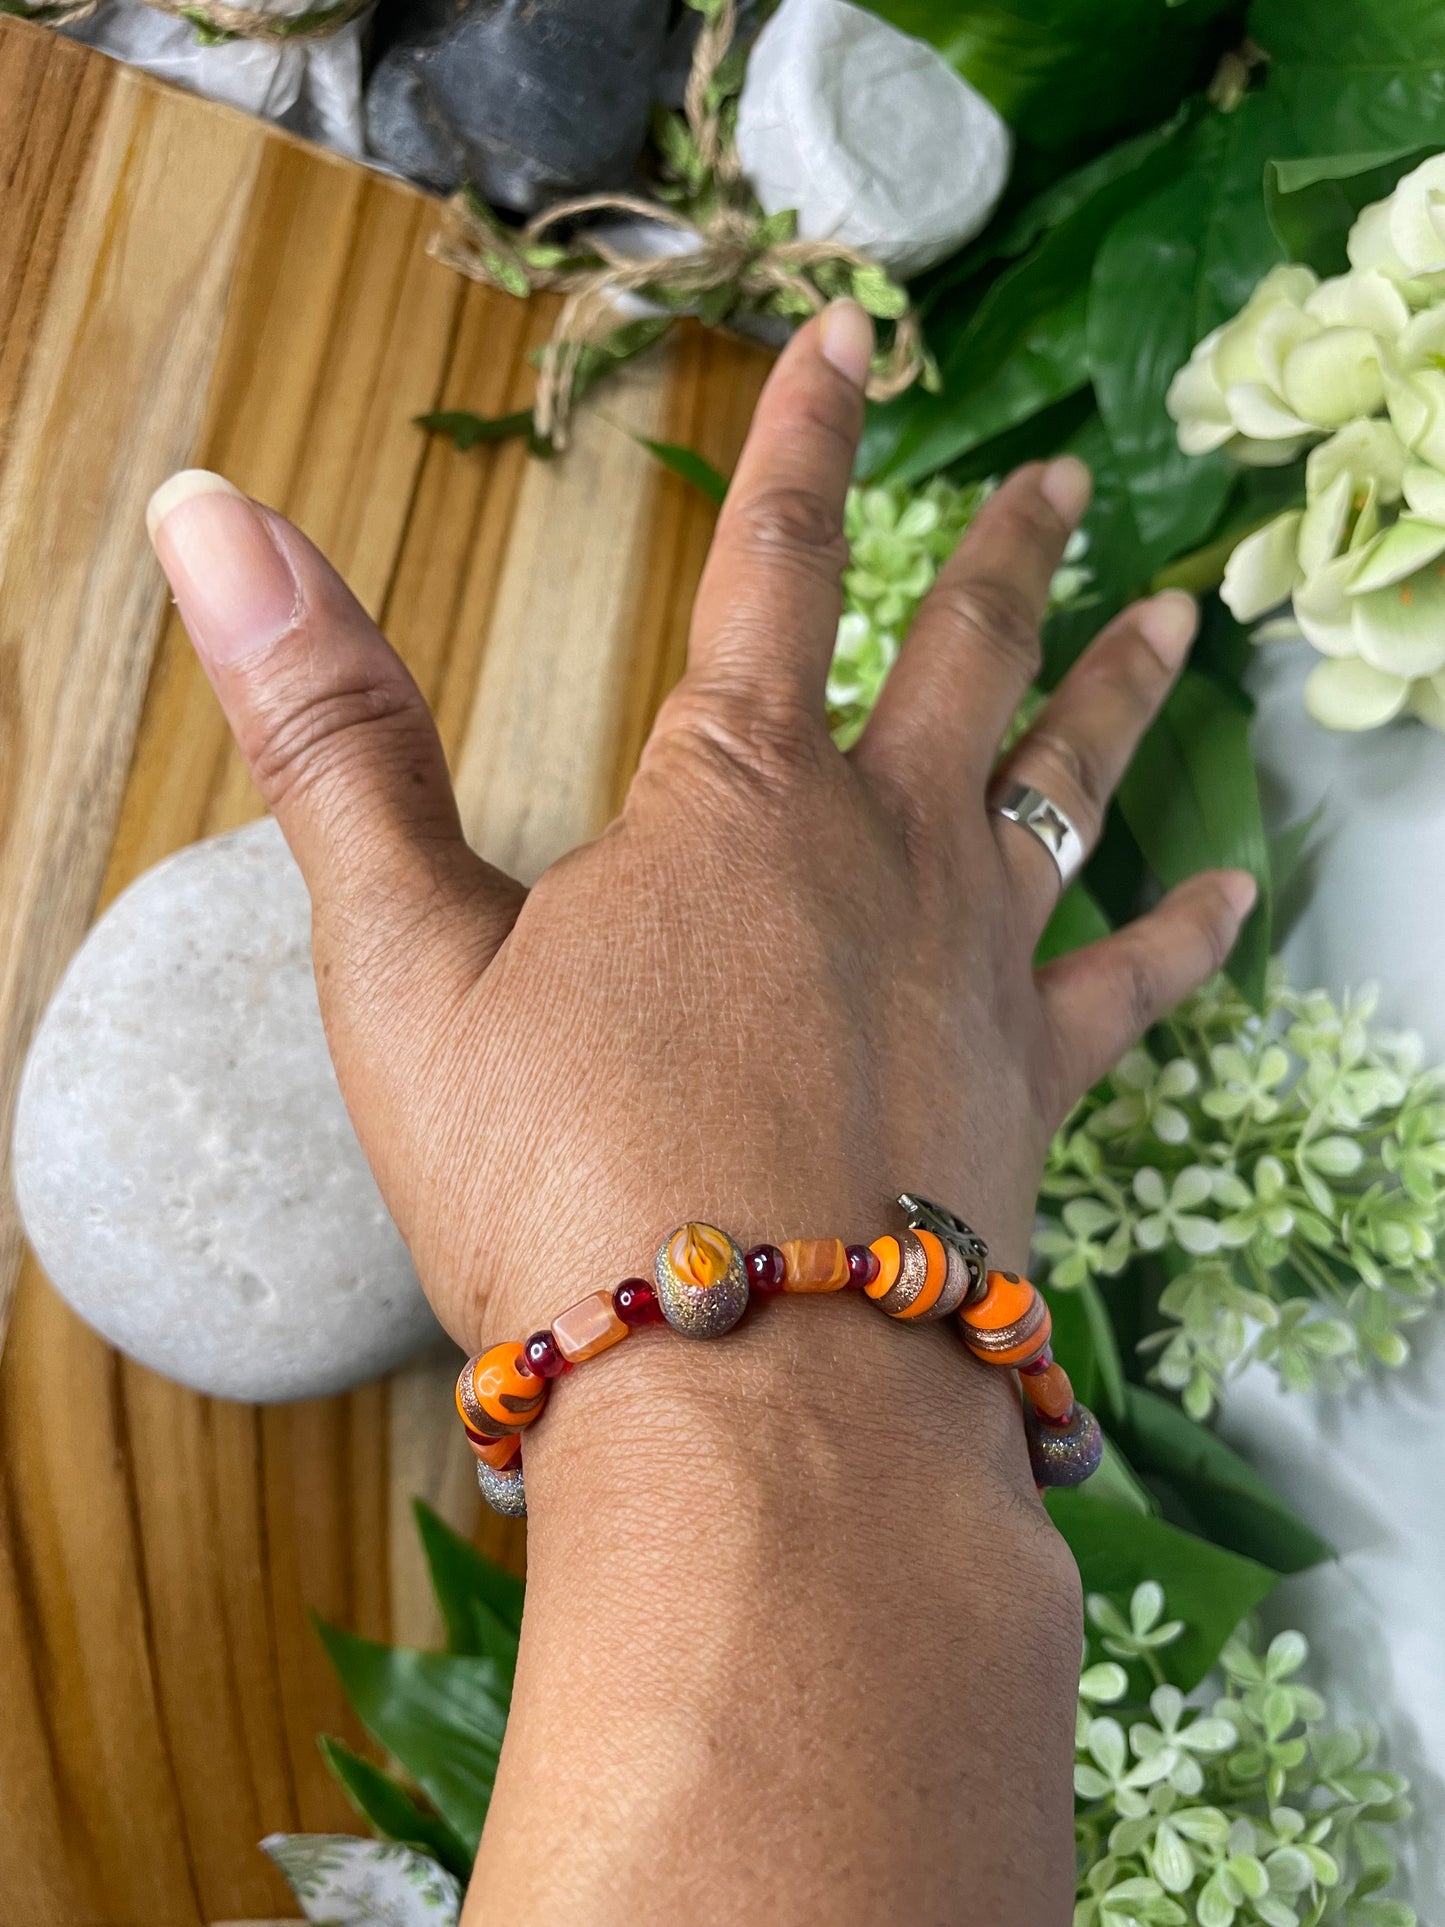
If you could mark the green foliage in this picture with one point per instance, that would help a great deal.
(1246, 1810)
(691, 466)
(392, 1810)
(1285, 1170)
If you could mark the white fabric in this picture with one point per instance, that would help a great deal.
(312, 87)
(1366, 1468)
(869, 134)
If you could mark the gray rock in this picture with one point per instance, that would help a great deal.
(528, 100)
(184, 1164)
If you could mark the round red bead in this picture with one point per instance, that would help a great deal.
(765, 1267)
(542, 1357)
(635, 1303)
(863, 1266)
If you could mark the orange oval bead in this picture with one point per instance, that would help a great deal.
(505, 1394)
(1049, 1392)
(1006, 1301)
(500, 1454)
(1010, 1325)
(935, 1272)
(814, 1264)
(890, 1256)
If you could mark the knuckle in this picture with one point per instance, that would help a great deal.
(742, 739)
(1129, 672)
(315, 734)
(1138, 991)
(992, 615)
(796, 524)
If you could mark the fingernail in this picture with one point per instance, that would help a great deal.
(1240, 891)
(845, 335)
(1067, 486)
(1168, 623)
(233, 586)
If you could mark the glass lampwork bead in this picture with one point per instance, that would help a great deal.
(1009, 1325)
(765, 1268)
(1050, 1393)
(635, 1303)
(814, 1264)
(588, 1327)
(1064, 1454)
(503, 1491)
(497, 1391)
(702, 1285)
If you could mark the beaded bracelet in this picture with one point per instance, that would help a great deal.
(702, 1284)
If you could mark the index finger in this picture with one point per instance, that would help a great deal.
(766, 614)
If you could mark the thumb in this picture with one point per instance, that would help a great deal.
(336, 734)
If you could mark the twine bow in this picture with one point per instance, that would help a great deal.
(741, 261)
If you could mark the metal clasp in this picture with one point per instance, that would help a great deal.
(923, 1215)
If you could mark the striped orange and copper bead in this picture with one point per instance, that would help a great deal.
(1009, 1325)
(498, 1392)
(919, 1277)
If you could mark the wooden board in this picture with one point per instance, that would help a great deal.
(178, 285)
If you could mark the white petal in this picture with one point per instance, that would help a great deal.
(1367, 522)
(1322, 532)
(1427, 701)
(1363, 299)
(1282, 329)
(1252, 454)
(1422, 342)
(1335, 377)
(1256, 412)
(1429, 442)
(1351, 695)
(1203, 437)
(1425, 491)
(1264, 568)
(1402, 629)
(1369, 244)
(1417, 217)
(1409, 402)
(1395, 554)
(1369, 450)
(1195, 396)
(1279, 629)
(1289, 282)
(1323, 612)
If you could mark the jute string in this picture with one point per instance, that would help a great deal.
(729, 253)
(219, 18)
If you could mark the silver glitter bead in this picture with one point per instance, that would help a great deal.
(503, 1491)
(1064, 1454)
(701, 1310)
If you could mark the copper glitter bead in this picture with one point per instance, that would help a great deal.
(503, 1491)
(1064, 1454)
(702, 1285)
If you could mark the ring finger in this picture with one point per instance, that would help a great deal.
(1080, 743)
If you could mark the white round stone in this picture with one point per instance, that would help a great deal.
(184, 1164)
(869, 135)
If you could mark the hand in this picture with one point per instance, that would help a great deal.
(782, 986)
(786, 982)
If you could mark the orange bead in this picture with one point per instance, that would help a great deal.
(588, 1327)
(496, 1394)
(814, 1264)
(935, 1271)
(1010, 1324)
(1049, 1392)
(500, 1454)
(890, 1257)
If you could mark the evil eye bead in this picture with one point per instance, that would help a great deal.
(503, 1491)
(1064, 1454)
(702, 1285)
(1009, 1325)
(499, 1392)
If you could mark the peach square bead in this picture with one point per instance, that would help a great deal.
(588, 1327)
(815, 1264)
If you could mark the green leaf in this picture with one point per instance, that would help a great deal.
(1291, 869)
(1225, 1496)
(1136, 348)
(1076, 921)
(1356, 76)
(392, 1811)
(1312, 203)
(1118, 562)
(480, 1603)
(691, 466)
(1211, 1590)
(1191, 801)
(441, 1714)
(469, 431)
(1065, 71)
(1116, 1483)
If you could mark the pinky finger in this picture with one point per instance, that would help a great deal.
(1100, 1000)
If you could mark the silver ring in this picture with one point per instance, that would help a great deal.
(1037, 813)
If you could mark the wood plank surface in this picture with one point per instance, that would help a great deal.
(179, 284)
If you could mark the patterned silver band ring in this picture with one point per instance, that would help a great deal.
(1034, 811)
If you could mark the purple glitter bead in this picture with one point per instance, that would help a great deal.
(1064, 1454)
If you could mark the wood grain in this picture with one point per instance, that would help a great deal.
(181, 285)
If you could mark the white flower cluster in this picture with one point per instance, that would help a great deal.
(1353, 369)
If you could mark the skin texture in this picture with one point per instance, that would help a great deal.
(800, 1642)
